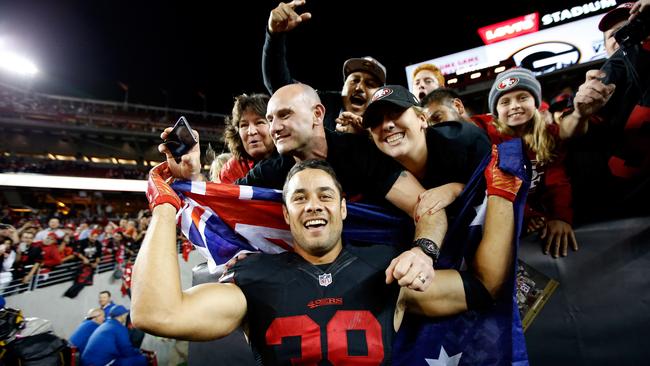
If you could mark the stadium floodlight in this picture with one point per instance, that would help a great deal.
(17, 64)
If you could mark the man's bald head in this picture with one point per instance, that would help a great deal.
(298, 90)
(96, 315)
(296, 115)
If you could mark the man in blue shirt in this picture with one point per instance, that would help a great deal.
(111, 342)
(80, 336)
(105, 302)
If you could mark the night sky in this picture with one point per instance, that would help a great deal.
(168, 52)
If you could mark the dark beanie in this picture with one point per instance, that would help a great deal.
(511, 80)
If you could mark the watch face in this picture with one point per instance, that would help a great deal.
(428, 246)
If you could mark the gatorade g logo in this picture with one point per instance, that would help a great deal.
(381, 93)
(507, 83)
(547, 56)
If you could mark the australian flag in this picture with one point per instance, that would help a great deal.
(222, 220)
(491, 337)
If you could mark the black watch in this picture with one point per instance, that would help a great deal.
(429, 247)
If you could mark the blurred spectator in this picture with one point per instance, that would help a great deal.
(92, 321)
(52, 227)
(89, 252)
(442, 105)
(105, 302)
(217, 165)
(8, 256)
(32, 256)
(427, 78)
(611, 158)
(7, 231)
(559, 105)
(614, 20)
(110, 343)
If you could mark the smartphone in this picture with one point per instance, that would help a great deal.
(181, 139)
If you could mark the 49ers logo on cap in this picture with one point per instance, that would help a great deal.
(507, 83)
(381, 93)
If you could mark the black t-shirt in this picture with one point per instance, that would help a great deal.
(300, 311)
(88, 249)
(31, 255)
(360, 167)
(455, 150)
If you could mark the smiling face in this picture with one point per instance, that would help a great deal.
(315, 212)
(295, 115)
(359, 86)
(255, 136)
(516, 108)
(401, 132)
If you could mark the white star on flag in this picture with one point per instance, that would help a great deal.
(443, 359)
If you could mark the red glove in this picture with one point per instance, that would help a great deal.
(158, 191)
(500, 183)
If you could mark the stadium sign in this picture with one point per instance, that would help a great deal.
(543, 51)
(577, 11)
(510, 28)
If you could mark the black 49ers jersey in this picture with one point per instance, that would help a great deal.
(336, 314)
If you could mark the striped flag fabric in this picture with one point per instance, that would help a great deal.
(222, 220)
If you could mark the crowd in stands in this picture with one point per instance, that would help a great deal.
(33, 248)
(18, 103)
(370, 133)
(14, 164)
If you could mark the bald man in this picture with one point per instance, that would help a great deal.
(81, 335)
(296, 115)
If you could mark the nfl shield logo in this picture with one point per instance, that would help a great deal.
(325, 279)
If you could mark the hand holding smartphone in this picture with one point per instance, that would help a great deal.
(181, 139)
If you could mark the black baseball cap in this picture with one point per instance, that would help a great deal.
(390, 94)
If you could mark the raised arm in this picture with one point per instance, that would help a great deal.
(159, 306)
(282, 19)
(591, 96)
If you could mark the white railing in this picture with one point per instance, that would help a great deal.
(62, 273)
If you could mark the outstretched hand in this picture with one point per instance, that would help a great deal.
(592, 94)
(190, 165)
(284, 17)
(559, 236)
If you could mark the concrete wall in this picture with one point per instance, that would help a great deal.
(66, 314)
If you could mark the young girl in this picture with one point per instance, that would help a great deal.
(514, 101)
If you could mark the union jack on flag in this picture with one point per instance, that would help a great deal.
(222, 220)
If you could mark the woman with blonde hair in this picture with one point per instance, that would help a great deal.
(514, 101)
